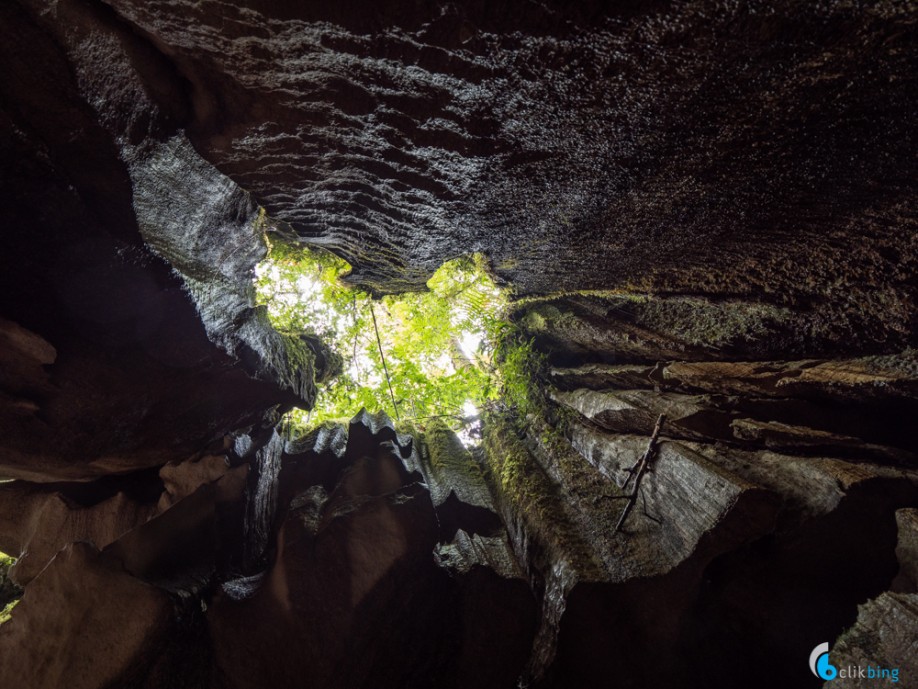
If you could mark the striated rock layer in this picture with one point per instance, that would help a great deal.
(743, 549)
(702, 148)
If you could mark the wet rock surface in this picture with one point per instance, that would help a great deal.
(646, 328)
(907, 549)
(151, 360)
(354, 581)
(581, 146)
(747, 527)
(110, 626)
(702, 150)
(37, 523)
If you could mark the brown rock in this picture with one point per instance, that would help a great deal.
(355, 588)
(181, 479)
(82, 623)
(35, 524)
(870, 377)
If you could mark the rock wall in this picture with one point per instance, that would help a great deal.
(708, 148)
(149, 361)
(368, 577)
(771, 511)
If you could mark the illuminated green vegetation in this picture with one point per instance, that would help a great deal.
(447, 353)
(7, 611)
(7, 589)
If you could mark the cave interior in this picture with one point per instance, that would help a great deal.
(703, 212)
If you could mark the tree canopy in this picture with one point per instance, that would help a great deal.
(438, 347)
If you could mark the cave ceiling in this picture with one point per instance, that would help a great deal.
(695, 147)
(748, 167)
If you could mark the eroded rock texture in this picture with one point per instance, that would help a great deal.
(361, 582)
(708, 210)
(703, 148)
(768, 514)
(355, 581)
(151, 359)
(581, 145)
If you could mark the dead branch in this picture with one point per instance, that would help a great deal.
(637, 473)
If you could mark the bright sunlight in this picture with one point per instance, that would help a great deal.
(418, 356)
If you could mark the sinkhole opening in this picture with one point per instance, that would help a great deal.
(448, 353)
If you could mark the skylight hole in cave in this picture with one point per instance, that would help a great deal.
(439, 345)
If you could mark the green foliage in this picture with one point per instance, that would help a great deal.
(7, 589)
(519, 480)
(446, 451)
(522, 370)
(7, 611)
(440, 346)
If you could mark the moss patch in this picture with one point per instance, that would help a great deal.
(523, 371)
(446, 451)
(525, 490)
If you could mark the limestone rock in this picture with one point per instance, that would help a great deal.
(872, 377)
(797, 438)
(434, 133)
(683, 500)
(35, 523)
(134, 381)
(704, 208)
(355, 552)
(83, 622)
(23, 380)
(635, 411)
(714, 532)
(604, 376)
(181, 479)
(876, 377)
(884, 638)
(642, 329)
(907, 548)
(845, 431)
(457, 484)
